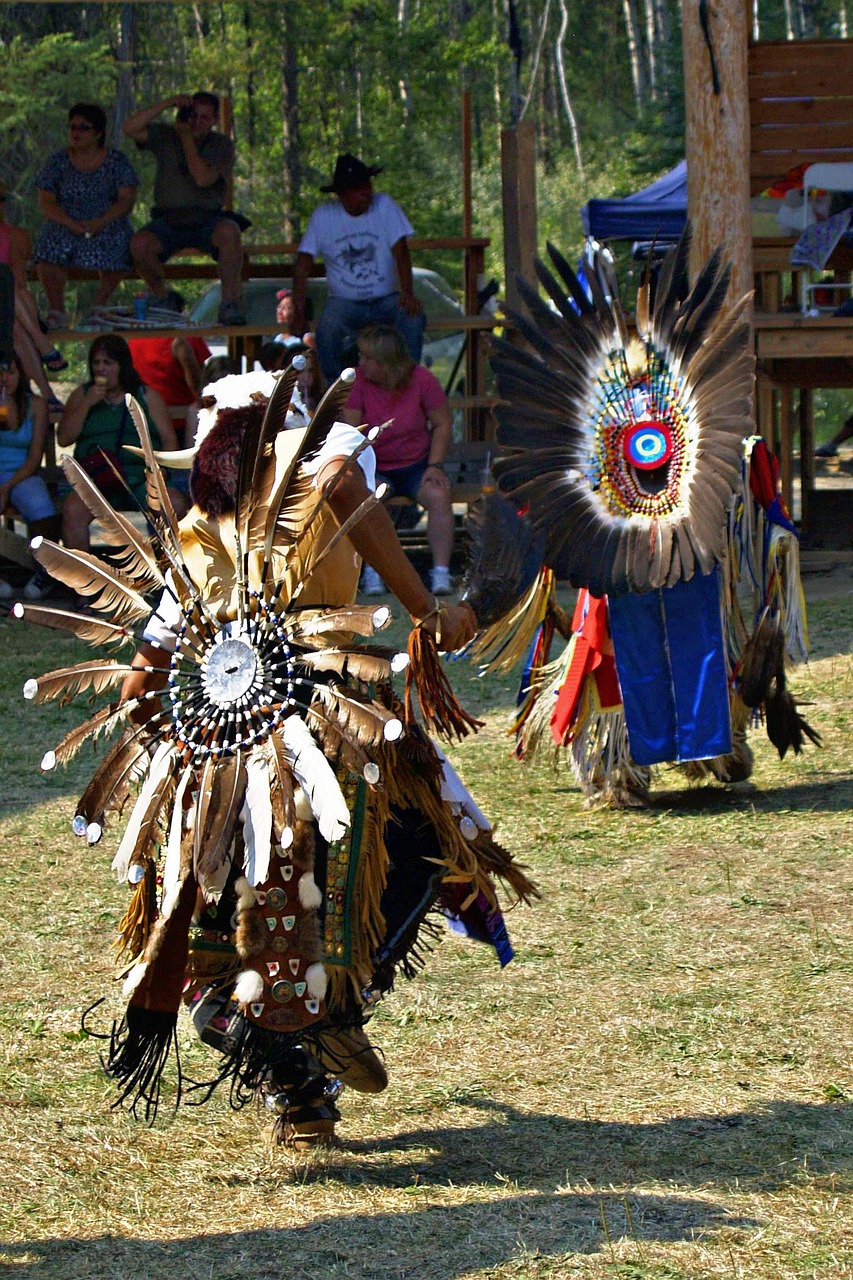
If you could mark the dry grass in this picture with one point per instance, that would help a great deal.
(659, 1086)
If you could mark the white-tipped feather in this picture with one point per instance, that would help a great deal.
(172, 864)
(134, 978)
(316, 777)
(170, 901)
(159, 767)
(316, 981)
(256, 816)
(309, 895)
(249, 987)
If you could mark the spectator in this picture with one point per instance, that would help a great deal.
(192, 164)
(85, 193)
(23, 431)
(842, 435)
(390, 388)
(98, 423)
(31, 346)
(362, 238)
(284, 314)
(173, 367)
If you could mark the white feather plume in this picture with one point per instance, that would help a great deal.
(159, 767)
(172, 863)
(256, 816)
(134, 978)
(316, 777)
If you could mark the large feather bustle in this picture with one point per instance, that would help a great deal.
(65, 683)
(112, 592)
(218, 801)
(92, 630)
(257, 818)
(134, 558)
(145, 819)
(159, 502)
(316, 777)
(697, 357)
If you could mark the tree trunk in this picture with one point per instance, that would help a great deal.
(651, 47)
(402, 83)
(125, 58)
(717, 136)
(534, 70)
(251, 106)
(292, 168)
(564, 88)
(635, 53)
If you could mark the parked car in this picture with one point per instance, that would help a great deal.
(441, 348)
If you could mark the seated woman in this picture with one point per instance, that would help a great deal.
(31, 346)
(390, 388)
(23, 430)
(97, 422)
(85, 193)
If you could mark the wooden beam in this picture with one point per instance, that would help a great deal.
(518, 181)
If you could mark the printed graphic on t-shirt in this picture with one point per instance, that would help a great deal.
(360, 262)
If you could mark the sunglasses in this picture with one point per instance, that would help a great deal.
(81, 128)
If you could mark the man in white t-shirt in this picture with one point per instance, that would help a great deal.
(362, 238)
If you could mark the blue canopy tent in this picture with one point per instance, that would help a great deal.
(658, 212)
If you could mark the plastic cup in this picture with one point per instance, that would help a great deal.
(140, 306)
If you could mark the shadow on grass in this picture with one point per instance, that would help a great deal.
(830, 795)
(761, 1150)
(429, 1242)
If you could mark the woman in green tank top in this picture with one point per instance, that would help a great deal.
(97, 422)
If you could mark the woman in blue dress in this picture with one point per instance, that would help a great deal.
(85, 193)
(23, 431)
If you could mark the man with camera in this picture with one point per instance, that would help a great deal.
(193, 161)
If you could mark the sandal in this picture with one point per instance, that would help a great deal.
(54, 360)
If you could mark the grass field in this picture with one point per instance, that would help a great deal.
(658, 1087)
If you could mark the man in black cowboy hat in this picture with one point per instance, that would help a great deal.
(362, 238)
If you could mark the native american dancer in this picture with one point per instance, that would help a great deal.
(634, 465)
(293, 825)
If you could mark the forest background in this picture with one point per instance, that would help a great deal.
(601, 82)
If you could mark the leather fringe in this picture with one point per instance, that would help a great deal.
(140, 1047)
(442, 713)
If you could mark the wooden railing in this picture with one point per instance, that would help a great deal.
(275, 261)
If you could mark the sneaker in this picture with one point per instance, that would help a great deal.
(6, 590)
(170, 301)
(230, 313)
(39, 585)
(828, 450)
(441, 583)
(371, 583)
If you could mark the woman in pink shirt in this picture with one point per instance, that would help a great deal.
(390, 388)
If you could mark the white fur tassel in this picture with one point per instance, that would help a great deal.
(317, 779)
(315, 977)
(246, 896)
(160, 766)
(257, 819)
(309, 895)
(134, 978)
(249, 987)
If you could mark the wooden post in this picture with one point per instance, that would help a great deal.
(518, 180)
(717, 128)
